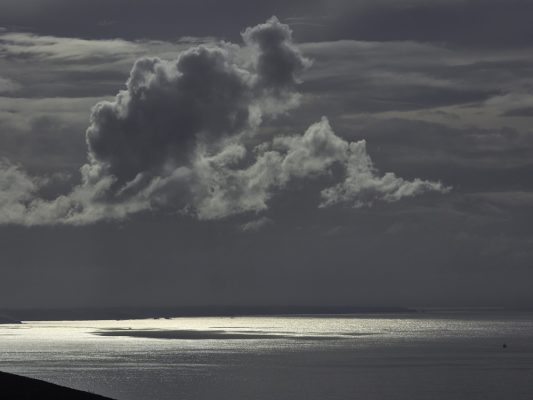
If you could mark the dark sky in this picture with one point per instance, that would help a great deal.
(212, 177)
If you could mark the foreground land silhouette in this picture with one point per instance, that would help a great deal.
(15, 387)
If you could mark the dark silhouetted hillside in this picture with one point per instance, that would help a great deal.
(14, 387)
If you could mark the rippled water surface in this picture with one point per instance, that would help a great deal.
(403, 356)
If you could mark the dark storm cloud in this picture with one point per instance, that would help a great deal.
(182, 136)
(165, 107)
(203, 95)
(278, 63)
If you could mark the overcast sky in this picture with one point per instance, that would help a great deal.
(176, 153)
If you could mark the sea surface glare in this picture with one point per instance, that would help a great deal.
(433, 355)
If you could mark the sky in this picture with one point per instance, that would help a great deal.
(199, 153)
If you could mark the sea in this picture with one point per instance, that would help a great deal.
(425, 355)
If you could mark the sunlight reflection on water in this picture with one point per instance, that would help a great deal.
(369, 357)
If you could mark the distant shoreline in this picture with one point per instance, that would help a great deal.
(176, 312)
(10, 316)
(24, 388)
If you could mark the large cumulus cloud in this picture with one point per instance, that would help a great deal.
(183, 136)
(221, 190)
(166, 108)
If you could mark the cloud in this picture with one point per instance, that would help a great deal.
(55, 66)
(183, 137)
(29, 46)
(8, 85)
(221, 190)
(16, 190)
(44, 135)
(165, 110)
(355, 77)
(204, 95)
(363, 186)
(279, 62)
(473, 21)
(256, 224)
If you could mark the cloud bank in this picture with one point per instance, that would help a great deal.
(183, 137)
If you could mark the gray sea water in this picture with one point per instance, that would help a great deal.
(433, 355)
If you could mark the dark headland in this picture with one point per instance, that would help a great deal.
(15, 387)
(8, 320)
